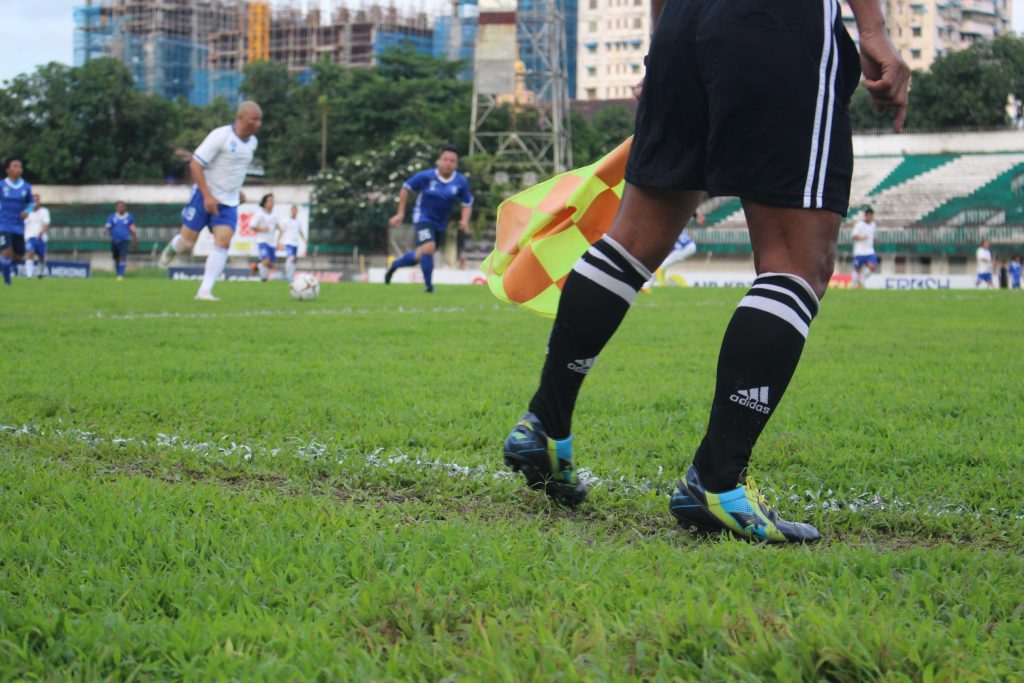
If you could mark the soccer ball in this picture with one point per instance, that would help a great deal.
(304, 287)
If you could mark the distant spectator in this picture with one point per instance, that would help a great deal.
(1004, 276)
(984, 260)
(865, 261)
(36, 225)
(1014, 270)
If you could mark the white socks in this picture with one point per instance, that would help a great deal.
(214, 267)
(289, 269)
(30, 268)
(263, 270)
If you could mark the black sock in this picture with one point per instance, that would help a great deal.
(760, 352)
(594, 300)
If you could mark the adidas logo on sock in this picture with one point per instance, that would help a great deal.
(755, 399)
(582, 365)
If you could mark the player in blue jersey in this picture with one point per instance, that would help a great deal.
(121, 225)
(438, 189)
(15, 206)
(218, 169)
(1014, 269)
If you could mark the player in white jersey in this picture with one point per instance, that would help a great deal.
(292, 236)
(984, 259)
(264, 224)
(36, 225)
(218, 169)
(865, 261)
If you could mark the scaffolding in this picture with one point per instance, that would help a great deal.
(521, 62)
(197, 49)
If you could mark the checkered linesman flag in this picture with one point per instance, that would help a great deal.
(545, 229)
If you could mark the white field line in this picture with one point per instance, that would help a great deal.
(271, 312)
(302, 449)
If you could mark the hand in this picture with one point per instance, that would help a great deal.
(210, 204)
(464, 227)
(279, 246)
(886, 76)
(24, 215)
(638, 89)
(395, 220)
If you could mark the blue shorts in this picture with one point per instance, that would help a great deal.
(120, 249)
(267, 252)
(861, 261)
(195, 216)
(984, 277)
(37, 245)
(428, 232)
(291, 251)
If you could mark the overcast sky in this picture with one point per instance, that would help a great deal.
(40, 31)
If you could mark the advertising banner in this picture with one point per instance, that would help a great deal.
(71, 269)
(244, 242)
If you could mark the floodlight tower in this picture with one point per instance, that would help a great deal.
(520, 61)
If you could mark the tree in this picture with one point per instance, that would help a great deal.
(964, 89)
(355, 197)
(88, 124)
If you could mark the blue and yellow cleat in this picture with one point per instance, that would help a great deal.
(689, 513)
(545, 462)
(742, 511)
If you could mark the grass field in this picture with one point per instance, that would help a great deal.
(266, 490)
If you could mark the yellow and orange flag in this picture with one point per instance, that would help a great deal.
(543, 231)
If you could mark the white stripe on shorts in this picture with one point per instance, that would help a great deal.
(826, 50)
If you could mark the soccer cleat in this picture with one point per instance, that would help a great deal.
(166, 256)
(546, 463)
(742, 511)
(428, 290)
(388, 275)
(689, 513)
(206, 296)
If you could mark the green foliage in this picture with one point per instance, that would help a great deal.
(342, 514)
(591, 140)
(85, 125)
(355, 198)
(964, 89)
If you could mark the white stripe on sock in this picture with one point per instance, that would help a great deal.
(602, 278)
(597, 253)
(798, 280)
(644, 273)
(777, 309)
(783, 290)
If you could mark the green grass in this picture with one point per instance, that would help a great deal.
(267, 490)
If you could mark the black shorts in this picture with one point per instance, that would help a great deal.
(119, 249)
(14, 242)
(751, 99)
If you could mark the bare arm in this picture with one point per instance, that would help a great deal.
(403, 197)
(886, 75)
(199, 178)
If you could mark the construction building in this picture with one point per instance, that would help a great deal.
(925, 29)
(614, 36)
(197, 49)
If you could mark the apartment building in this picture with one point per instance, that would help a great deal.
(614, 36)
